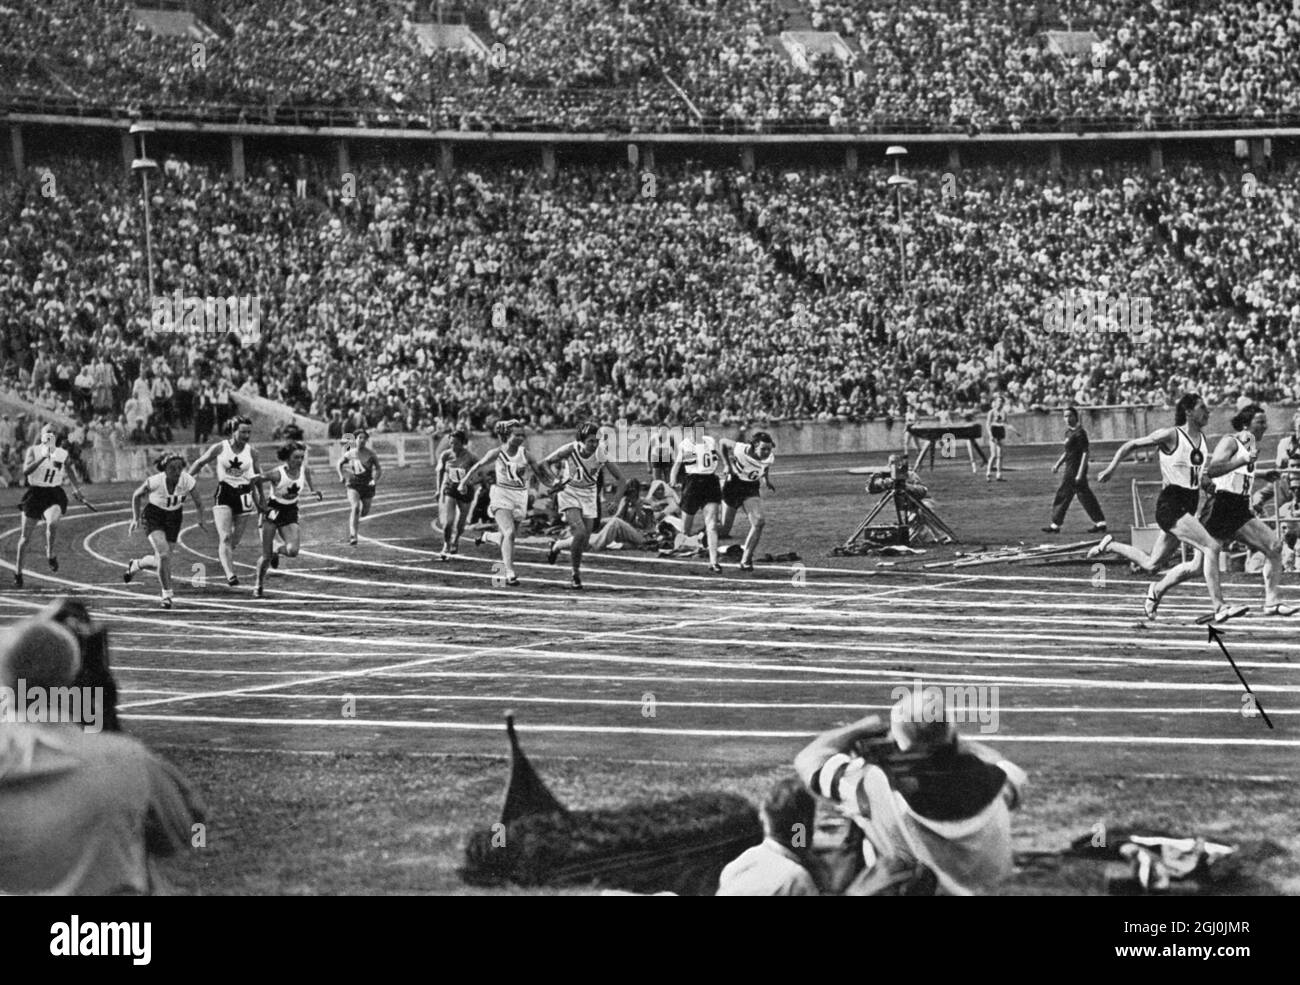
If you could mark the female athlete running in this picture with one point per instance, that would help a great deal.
(165, 491)
(360, 471)
(453, 465)
(1184, 465)
(287, 482)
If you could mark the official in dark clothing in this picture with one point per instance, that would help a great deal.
(1075, 482)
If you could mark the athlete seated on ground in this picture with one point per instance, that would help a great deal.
(280, 518)
(634, 520)
(236, 497)
(509, 502)
(453, 465)
(165, 492)
(582, 461)
(702, 490)
(1184, 465)
(45, 466)
(360, 471)
(748, 463)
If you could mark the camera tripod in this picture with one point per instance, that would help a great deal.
(914, 521)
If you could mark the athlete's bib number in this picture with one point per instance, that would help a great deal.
(273, 514)
(50, 474)
(948, 445)
(173, 502)
(1196, 476)
(246, 501)
(708, 460)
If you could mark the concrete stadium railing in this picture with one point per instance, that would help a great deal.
(872, 438)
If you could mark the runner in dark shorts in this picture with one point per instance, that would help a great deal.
(163, 495)
(37, 499)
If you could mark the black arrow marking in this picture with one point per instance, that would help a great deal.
(1217, 637)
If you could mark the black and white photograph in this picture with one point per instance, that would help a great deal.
(652, 448)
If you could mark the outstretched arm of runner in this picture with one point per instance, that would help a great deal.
(136, 499)
(1152, 440)
(481, 465)
(203, 459)
(198, 507)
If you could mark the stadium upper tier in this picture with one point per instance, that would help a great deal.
(594, 65)
(776, 295)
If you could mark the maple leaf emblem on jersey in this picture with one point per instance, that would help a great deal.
(292, 490)
(235, 465)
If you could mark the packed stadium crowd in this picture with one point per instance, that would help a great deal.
(591, 64)
(431, 302)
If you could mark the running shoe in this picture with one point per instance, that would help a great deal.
(552, 553)
(746, 565)
(233, 581)
(54, 563)
(166, 602)
(575, 581)
(1280, 609)
(18, 579)
(1101, 547)
(512, 581)
(259, 592)
(443, 555)
(1097, 528)
(352, 542)
(130, 571)
(1227, 612)
(275, 559)
(715, 567)
(1051, 528)
(1152, 602)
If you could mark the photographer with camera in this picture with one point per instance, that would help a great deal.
(934, 807)
(82, 811)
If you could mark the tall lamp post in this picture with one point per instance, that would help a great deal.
(142, 165)
(898, 183)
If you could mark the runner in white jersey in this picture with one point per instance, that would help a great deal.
(280, 518)
(576, 499)
(509, 499)
(163, 495)
(698, 458)
(453, 465)
(1184, 466)
(748, 463)
(45, 466)
(237, 496)
(1231, 516)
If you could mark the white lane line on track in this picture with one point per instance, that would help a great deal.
(1233, 712)
(352, 674)
(495, 727)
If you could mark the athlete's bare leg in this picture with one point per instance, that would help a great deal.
(1259, 535)
(225, 524)
(354, 513)
(711, 531)
(728, 518)
(1165, 545)
(757, 521)
(52, 517)
(23, 528)
(506, 538)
